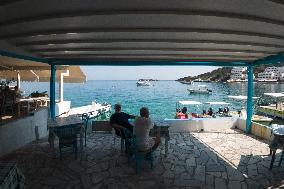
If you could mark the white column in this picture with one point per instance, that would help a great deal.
(61, 84)
(18, 80)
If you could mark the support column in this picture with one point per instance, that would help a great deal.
(52, 90)
(250, 98)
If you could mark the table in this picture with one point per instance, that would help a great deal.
(277, 142)
(72, 121)
(10, 176)
(161, 127)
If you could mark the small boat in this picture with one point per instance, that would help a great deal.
(200, 89)
(143, 83)
(187, 82)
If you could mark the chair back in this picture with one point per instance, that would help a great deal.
(85, 118)
(67, 131)
(131, 142)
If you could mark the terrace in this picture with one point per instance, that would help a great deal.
(228, 159)
(48, 34)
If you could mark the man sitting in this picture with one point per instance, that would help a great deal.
(119, 120)
(142, 128)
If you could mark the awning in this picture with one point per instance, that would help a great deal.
(189, 102)
(75, 75)
(275, 95)
(240, 97)
(134, 32)
(217, 103)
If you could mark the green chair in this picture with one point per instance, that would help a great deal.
(134, 153)
(68, 136)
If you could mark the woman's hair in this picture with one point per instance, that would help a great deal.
(144, 112)
(184, 110)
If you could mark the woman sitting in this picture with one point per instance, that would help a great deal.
(142, 126)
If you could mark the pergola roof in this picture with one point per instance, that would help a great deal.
(104, 32)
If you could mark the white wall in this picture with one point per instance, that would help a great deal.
(16, 134)
(198, 124)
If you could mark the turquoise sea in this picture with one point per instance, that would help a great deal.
(160, 99)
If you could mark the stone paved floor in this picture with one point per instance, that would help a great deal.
(195, 160)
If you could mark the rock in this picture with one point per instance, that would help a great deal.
(220, 183)
(200, 173)
(234, 185)
(86, 181)
(215, 168)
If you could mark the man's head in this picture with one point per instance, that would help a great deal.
(117, 107)
(144, 112)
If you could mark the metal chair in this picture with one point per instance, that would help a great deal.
(134, 153)
(67, 138)
(273, 152)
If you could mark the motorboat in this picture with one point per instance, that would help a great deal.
(243, 114)
(187, 82)
(143, 83)
(194, 105)
(200, 89)
(274, 110)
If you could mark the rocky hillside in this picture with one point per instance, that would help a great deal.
(218, 75)
(222, 74)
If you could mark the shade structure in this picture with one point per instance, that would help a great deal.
(133, 30)
(75, 75)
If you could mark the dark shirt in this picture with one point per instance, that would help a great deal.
(122, 120)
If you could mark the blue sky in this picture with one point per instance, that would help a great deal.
(137, 72)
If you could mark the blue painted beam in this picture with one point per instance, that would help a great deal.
(249, 98)
(23, 57)
(145, 63)
(273, 59)
(52, 90)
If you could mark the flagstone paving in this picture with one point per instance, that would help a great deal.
(195, 160)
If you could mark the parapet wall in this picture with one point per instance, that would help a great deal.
(17, 133)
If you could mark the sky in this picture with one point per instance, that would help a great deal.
(146, 72)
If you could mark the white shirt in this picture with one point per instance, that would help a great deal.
(142, 128)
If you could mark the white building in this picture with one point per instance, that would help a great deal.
(271, 74)
(238, 73)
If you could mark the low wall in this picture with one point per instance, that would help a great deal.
(205, 124)
(17, 133)
(257, 129)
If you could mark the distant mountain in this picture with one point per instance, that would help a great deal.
(218, 75)
(223, 74)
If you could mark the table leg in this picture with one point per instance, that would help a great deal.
(19, 109)
(272, 159)
(166, 145)
(81, 143)
(281, 158)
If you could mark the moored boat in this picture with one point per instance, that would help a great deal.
(143, 83)
(200, 89)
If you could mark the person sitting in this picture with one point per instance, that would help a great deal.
(204, 112)
(180, 115)
(184, 111)
(220, 110)
(119, 120)
(210, 111)
(142, 126)
(194, 115)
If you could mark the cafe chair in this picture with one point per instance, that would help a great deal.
(134, 154)
(273, 152)
(67, 138)
(118, 134)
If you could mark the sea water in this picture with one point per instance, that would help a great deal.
(161, 98)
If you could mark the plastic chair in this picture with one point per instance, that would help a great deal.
(135, 154)
(67, 138)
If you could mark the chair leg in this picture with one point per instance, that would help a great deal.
(272, 159)
(122, 145)
(76, 149)
(85, 136)
(282, 156)
(60, 150)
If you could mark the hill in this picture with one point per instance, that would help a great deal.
(222, 74)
